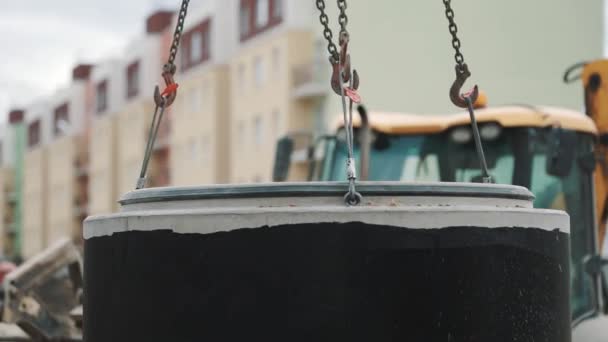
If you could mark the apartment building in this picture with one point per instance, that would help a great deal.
(141, 71)
(12, 141)
(200, 121)
(38, 122)
(109, 81)
(67, 158)
(7, 210)
(275, 44)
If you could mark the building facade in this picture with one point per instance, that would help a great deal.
(109, 82)
(67, 159)
(38, 122)
(200, 143)
(275, 43)
(12, 145)
(142, 70)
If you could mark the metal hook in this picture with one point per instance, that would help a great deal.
(458, 99)
(167, 97)
(343, 77)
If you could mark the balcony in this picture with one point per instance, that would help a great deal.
(311, 81)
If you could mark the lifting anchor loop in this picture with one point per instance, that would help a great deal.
(460, 99)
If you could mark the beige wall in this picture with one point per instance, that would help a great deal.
(269, 105)
(34, 201)
(199, 141)
(61, 189)
(103, 194)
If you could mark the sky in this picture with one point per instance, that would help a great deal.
(41, 40)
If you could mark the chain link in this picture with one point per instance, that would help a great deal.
(327, 34)
(449, 14)
(343, 18)
(179, 28)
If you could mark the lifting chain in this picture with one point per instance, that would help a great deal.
(327, 33)
(344, 82)
(466, 100)
(449, 13)
(179, 28)
(163, 99)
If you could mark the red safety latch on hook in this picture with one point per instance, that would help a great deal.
(352, 94)
(170, 89)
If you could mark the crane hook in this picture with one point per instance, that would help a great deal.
(342, 72)
(458, 99)
(167, 97)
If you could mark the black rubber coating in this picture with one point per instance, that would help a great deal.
(329, 282)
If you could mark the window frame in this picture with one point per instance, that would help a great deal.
(133, 74)
(34, 133)
(262, 13)
(101, 93)
(62, 112)
(248, 23)
(202, 30)
(259, 73)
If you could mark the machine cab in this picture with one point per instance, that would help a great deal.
(547, 150)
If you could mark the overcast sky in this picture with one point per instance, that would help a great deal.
(40, 41)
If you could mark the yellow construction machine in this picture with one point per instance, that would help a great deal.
(594, 77)
(549, 150)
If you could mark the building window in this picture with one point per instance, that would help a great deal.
(258, 71)
(276, 125)
(258, 130)
(261, 13)
(102, 96)
(133, 79)
(61, 120)
(196, 46)
(33, 133)
(256, 16)
(245, 19)
(277, 9)
(241, 79)
(276, 62)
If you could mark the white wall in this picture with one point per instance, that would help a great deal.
(517, 50)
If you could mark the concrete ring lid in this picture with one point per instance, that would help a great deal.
(325, 189)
